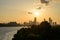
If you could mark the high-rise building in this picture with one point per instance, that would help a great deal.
(50, 20)
(35, 20)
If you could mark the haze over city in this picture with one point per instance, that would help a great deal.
(17, 10)
(29, 19)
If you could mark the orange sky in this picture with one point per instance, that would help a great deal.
(17, 10)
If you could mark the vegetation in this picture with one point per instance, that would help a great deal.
(44, 31)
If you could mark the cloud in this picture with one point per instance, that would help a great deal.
(46, 2)
(29, 13)
(57, 0)
(39, 8)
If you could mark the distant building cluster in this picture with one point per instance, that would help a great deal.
(28, 23)
(9, 24)
(51, 22)
(32, 22)
(37, 23)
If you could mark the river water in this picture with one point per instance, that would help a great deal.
(6, 33)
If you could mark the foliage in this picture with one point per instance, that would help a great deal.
(44, 31)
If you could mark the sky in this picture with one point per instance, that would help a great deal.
(17, 10)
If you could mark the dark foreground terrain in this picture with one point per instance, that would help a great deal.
(44, 31)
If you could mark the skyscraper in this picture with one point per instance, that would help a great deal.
(35, 20)
(50, 21)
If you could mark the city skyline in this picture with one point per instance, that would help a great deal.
(17, 10)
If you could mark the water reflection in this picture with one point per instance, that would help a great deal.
(6, 33)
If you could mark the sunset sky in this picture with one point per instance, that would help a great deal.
(17, 10)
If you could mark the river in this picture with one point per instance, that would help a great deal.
(6, 33)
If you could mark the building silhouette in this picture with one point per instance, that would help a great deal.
(50, 20)
(35, 20)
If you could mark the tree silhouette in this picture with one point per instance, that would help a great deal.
(38, 32)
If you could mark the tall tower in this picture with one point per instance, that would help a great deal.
(50, 21)
(35, 20)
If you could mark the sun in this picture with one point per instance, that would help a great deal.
(36, 13)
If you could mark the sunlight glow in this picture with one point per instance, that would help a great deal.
(36, 13)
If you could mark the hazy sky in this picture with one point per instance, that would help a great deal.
(17, 10)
